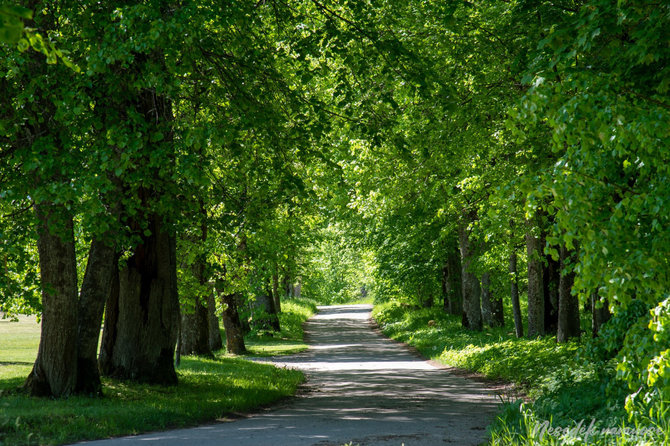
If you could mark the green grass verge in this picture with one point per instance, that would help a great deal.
(209, 389)
(565, 387)
(290, 339)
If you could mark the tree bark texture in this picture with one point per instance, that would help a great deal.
(232, 325)
(94, 292)
(470, 285)
(195, 320)
(140, 345)
(535, 286)
(568, 305)
(514, 293)
(55, 370)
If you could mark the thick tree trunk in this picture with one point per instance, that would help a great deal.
(195, 329)
(275, 292)
(215, 342)
(232, 325)
(568, 305)
(470, 286)
(100, 270)
(550, 283)
(55, 370)
(195, 320)
(141, 345)
(598, 315)
(535, 288)
(514, 293)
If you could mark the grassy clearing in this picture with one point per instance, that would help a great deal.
(565, 387)
(209, 389)
(290, 339)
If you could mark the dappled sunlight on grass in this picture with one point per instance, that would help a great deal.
(290, 339)
(208, 389)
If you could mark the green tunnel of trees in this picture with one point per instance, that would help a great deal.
(161, 158)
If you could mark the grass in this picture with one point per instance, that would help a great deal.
(565, 387)
(290, 339)
(208, 390)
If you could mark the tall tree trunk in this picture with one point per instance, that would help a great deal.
(535, 285)
(598, 315)
(232, 325)
(55, 370)
(275, 292)
(142, 343)
(470, 287)
(95, 288)
(195, 320)
(514, 293)
(568, 305)
(215, 342)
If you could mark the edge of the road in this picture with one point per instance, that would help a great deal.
(505, 390)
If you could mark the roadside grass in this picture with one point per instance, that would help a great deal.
(290, 339)
(565, 388)
(208, 389)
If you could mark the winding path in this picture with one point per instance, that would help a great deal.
(361, 388)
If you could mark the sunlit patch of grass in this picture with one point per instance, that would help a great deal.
(290, 339)
(209, 389)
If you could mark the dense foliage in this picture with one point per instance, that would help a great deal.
(465, 153)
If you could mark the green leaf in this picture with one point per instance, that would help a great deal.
(16, 11)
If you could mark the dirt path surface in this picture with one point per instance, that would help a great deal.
(362, 388)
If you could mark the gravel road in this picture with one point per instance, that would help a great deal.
(361, 388)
